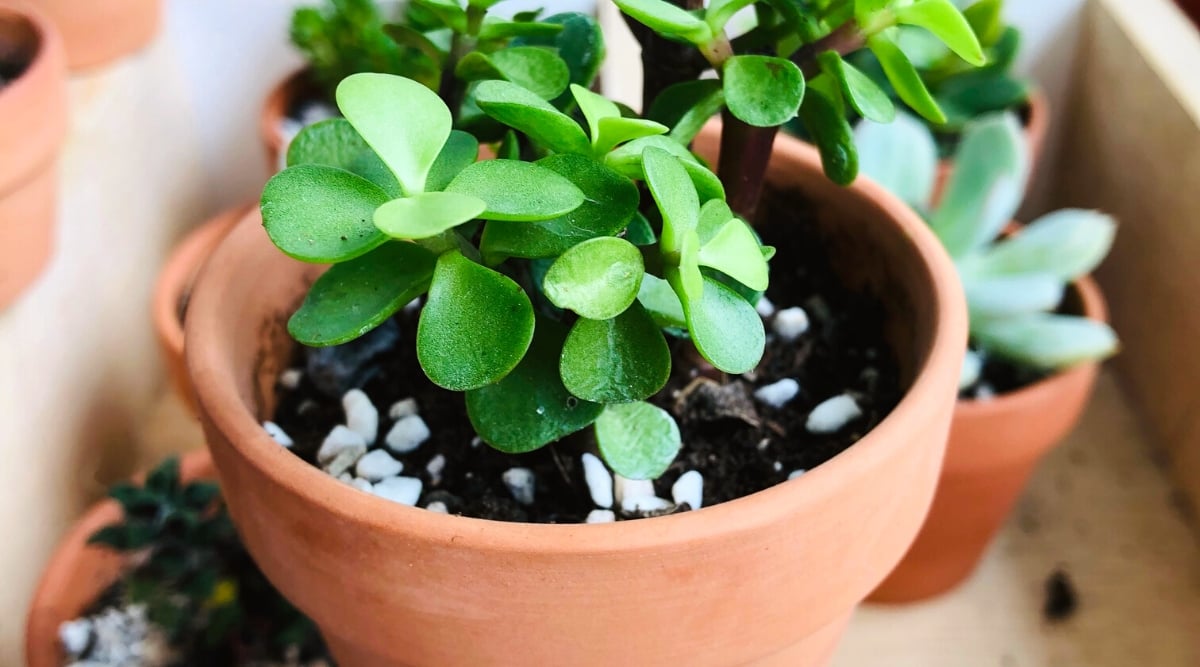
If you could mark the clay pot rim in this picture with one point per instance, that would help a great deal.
(1047, 388)
(277, 103)
(940, 355)
(46, 70)
(46, 35)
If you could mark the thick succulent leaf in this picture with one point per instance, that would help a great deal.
(335, 143)
(638, 440)
(610, 200)
(526, 112)
(427, 214)
(762, 91)
(498, 29)
(661, 302)
(973, 94)
(595, 108)
(597, 279)
(618, 360)
(901, 156)
(405, 35)
(685, 107)
(867, 98)
(734, 250)
(639, 232)
(1047, 341)
(667, 19)
(449, 12)
(675, 195)
(475, 326)
(406, 123)
(986, 187)
(322, 214)
(904, 77)
(1005, 296)
(828, 126)
(720, 11)
(517, 191)
(1066, 244)
(534, 68)
(627, 161)
(943, 19)
(354, 297)
(688, 275)
(713, 217)
(530, 407)
(986, 18)
(614, 131)
(461, 150)
(725, 328)
(580, 44)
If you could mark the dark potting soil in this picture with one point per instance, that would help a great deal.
(1001, 376)
(10, 69)
(1061, 601)
(739, 445)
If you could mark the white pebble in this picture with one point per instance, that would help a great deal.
(340, 439)
(376, 465)
(277, 434)
(831, 415)
(790, 323)
(407, 434)
(599, 481)
(985, 392)
(361, 484)
(777, 466)
(476, 442)
(520, 483)
(625, 488)
(796, 473)
(361, 415)
(343, 462)
(413, 306)
(689, 488)
(403, 490)
(290, 379)
(402, 409)
(435, 468)
(972, 368)
(345, 477)
(645, 504)
(778, 394)
(601, 516)
(438, 506)
(75, 636)
(764, 307)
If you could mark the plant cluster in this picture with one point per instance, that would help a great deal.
(192, 573)
(552, 275)
(1014, 282)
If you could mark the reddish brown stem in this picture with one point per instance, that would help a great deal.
(745, 153)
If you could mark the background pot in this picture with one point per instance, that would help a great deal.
(173, 288)
(994, 447)
(79, 573)
(33, 125)
(97, 32)
(278, 105)
(769, 579)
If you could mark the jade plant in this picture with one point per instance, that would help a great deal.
(1014, 282)
(551, 276)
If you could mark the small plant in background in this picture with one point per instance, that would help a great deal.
(192, 579)
(1014, 283)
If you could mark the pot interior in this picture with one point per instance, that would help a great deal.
(19, 44)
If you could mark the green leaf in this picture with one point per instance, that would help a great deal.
(517, 191)
(667, 20)
(427, 214)
(762, 91)
(510, 147)
(904, 78)
(526, 112)
(595, 108)
(597, 279)
(354, 297)
(627, 160)
(685, 107)
(689, 276)
(164, 479)
(674, 193)
(1047, 341)
(661, 302)
(720, 11)
(448, 12)
(1006, 296)
(725, 328)
(614, 131)
(408, 36)
(735, 251)
(943, 19)
(461, 150)
(713, 216)
(335, 143)
(497, 29)
(1066, 244)
(618, 360)
(610, 200)
(638, 440)
(406, 123)
(475, 326)
(322, 214)
(580, 45)
(639, 232)
(986, 19)
(867, 98)
(530, 407)
(834, 136)
(534, 68)
(900, 156)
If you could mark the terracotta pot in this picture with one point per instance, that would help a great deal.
(97, 32)
(768, 579)
(282, 98)
(173, 288)
(1037, 123)
(994, 448)
(33, 125)
(79, 573)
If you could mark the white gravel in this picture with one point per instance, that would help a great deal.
(361, 484)
(971, 369)
(601, 516)
(833, 414)
(778, 394)
(120, 637)
(764, 307)
(407, 434)
(646, 504)
(377, 465)
(599, 480)
(521, 484)
(438, 506)
(361, 415)
(403, 490)
(277, 434)
(402, 409)
(339, 440)
(790, 323)
(435, 468)
(796, 473)
(689, 488)
(290, 379)
(75, 636)
(625, 489)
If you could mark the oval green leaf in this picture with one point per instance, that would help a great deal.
(904, 78)
(322, 214)
(667, 19)
(517, 191)
(661, 302)
(534, 68)
(735, 251)
(461, 151)
(597, 279)
(1047, 341)
(762, 91)
(638, 440)
(627, 161)
(725, 328)
(335, 143)
(524, 111)
(943, 19)
(834, 136)
(426, 214)
(616, 361)
(674, 193)
(867, 98)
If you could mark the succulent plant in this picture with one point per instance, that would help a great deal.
(1014, 282)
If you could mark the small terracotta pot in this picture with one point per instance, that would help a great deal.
(282, 98)
(78, 574)
(768, 579)
(173, 288)
(1037, 123)
(33, 125)
(994, 448)
(97, 32)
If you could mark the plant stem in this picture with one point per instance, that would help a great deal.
(846, 39)
(452, 90)
(664, 62)
(745, 153)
